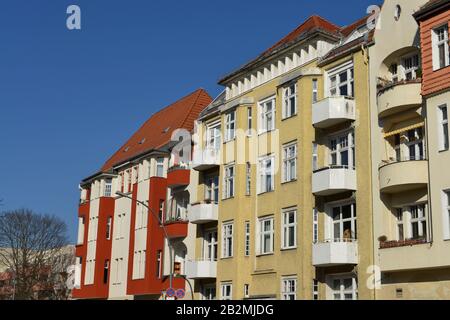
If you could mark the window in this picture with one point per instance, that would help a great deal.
(411, 65)
(289, 229)
(315, 289)
(290, 163)
(393, 69)
(161, 211)
(290, 101)
(249, 121)
(129, 181)
(227, 240)
(227, 291)
(315, 91)
(229, 182)
(248, 179)
(443, 128)
(122, 182)
(344, 223)
(247, 239)
(212, 189)
(139, 264)
(289, 289)
(108, 188)
(397, 147)
(266, 174)
(209, 292)
(108, 228)
(160, 167)
(344, 288)
(441, 44)
(267, 115)
(415, 144)
(266, 237)
(341, 82)
(447, 213)
(315, 157)
(246, 291)
(213, 137)
(315, 225)
(159, 264)
(210, 245)
(230, 126)
(418, 222)
(400, 225)
(106, 272)
(342, 151)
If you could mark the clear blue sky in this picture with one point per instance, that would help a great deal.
(68, 99)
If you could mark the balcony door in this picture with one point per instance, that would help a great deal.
(213, 137)
(342, 287)
(343, 223)
(342, 150)
(212, 188)
(210, 245)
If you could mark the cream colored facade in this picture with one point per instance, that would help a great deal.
(408, 173)
(263, 261)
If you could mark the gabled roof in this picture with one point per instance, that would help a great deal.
(311, 25)
(430, 8)
(157, 131)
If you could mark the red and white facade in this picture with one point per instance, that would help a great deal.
(121, 249)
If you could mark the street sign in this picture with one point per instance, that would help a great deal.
(180, 293)
(170, 292)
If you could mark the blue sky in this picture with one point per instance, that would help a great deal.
(68, 99)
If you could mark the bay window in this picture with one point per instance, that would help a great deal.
(290, 101)
(230, 126)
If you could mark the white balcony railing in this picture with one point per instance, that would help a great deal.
(205, 159)
(200, 213)
(201, 269)
(332, 180)
(335, 252)
(333, 110)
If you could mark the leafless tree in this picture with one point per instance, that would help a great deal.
(31, 247)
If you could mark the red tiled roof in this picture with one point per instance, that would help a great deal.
(313, 22)
(157, 131)
(347, 30)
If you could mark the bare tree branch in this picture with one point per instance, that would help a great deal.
(31, 246)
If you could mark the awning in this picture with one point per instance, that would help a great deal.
(411, 127)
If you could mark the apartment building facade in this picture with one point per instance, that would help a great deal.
(122, 249)
(277, 160)
(408, 199)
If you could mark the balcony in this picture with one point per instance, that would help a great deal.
(176, 229)
(397, 97)
(205, 159)
(403, 176)
(331, 253)
(178, 177)
(332, 180)
(333, 110)
(200, 213)
(408, 255)
(201, 269)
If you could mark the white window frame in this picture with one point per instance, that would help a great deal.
(247, 239)
(412, 68)
(335, 85)
(315, 156)
(210, 245)
(109, 221)
(290, 160)
(420, 220)
(208, 291)
(267, 116)
(249, 121)
(227, 240)
(213, 136)
(315, 213)
(443, 128)
(265, 173)
(337, 147)
(289, 288)
(224, 295)
(108, 188)
(446, 213)
(400, 223)
(229, 181)
(230, 126)
(263, 233)
(330, 231)
(289, 97)
(287, 228)
(159, 166)
(315, 91)
(342, 291)
(417, 143)
(212, 188)
(436, 43)
(248, 179)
